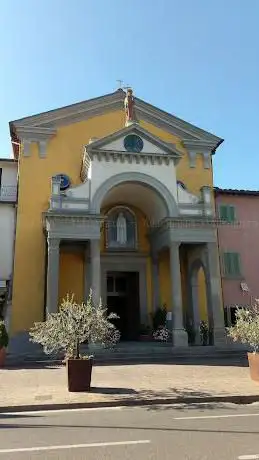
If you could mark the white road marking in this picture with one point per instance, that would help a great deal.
(60, 411)
(248, 457)
(216, 416)
(74, 446)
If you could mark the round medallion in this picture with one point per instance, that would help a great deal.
(133, 143)
(65, 181)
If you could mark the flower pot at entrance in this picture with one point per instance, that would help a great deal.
(253, 359)
(2, 356)
(79, 374)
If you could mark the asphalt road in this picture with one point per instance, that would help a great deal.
(204, 432)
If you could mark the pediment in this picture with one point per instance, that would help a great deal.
(45, 124)
(121, 142)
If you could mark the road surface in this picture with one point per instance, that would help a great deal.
(204, 432)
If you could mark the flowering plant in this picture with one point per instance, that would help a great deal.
(246, 329)
(162, 334)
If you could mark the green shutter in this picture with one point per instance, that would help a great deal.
(227, 213)
(236, 264)
(231, 264)
(227, 263)
(223, 212)
(231, 213)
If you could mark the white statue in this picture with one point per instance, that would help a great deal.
(121, 229)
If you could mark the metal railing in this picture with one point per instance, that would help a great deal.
(8, 193)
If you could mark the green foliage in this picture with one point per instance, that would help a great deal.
(159, 318)
(4, 338)
(204, 332)
(73, 325)
(246, 329)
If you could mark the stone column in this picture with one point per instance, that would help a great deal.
(180, 338)
(52, 275)
(214, 293)
(155, 282)
(95, 270)
(87, 273)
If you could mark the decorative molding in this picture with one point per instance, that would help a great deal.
(128, 157)
(135, 129)
(145, 179)
(34, 134)
(114, 101)
(192, 159)
(42, 145)
(206, 160)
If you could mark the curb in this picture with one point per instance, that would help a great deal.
(234, 399)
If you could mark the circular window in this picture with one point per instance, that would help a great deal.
(65, 181)
(133, 143)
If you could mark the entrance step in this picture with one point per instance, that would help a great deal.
(147, 353)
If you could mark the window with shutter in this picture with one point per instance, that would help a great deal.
(231, 264)
(227, 213)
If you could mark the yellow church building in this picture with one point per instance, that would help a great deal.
(116, 195)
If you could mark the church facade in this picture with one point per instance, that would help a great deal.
(116, 195)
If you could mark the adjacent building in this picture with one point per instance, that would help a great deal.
(8, 195)
(116, 195)
(238, 211)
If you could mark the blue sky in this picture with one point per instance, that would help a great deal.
(197, 59)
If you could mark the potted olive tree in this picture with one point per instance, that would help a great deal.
(246, 331)
(4, 340)
(66, 330)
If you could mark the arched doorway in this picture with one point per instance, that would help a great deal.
(198, 312)
(143, 201)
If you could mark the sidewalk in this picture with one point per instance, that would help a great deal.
(128, 384)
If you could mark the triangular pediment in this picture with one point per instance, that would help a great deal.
(45, 124)
(149, 144)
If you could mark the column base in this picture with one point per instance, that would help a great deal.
(219, 337)
(180, 338)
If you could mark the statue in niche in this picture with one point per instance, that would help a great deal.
(121, 225)
(129, 105)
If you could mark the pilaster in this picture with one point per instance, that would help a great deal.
(95, 270)
(180, 337)
(211, 262)
(52, 275)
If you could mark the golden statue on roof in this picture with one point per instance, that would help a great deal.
(129, 106)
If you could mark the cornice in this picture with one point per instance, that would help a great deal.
(114, 101)
(128, 157)
(35, 133)
(134, 129)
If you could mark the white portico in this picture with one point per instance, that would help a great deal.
(128, 170)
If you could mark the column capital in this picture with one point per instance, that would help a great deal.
(53, 243)
(174, 245)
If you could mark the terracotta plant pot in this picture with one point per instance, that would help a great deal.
(2, 356)
(253, 359)
(79, 374)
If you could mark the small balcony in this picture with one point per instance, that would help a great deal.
(8, 193)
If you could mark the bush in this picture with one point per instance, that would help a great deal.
(246, 329)
(159, 318)
(4, 338)
(73, 325)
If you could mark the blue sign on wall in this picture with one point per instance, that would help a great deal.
(65, 181)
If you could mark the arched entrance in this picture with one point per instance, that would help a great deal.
(141, 201)
(198, 305)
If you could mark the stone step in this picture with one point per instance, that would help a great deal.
(144, 354)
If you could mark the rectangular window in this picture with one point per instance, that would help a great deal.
(1, 170)
(227, 212)
(232, 264)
